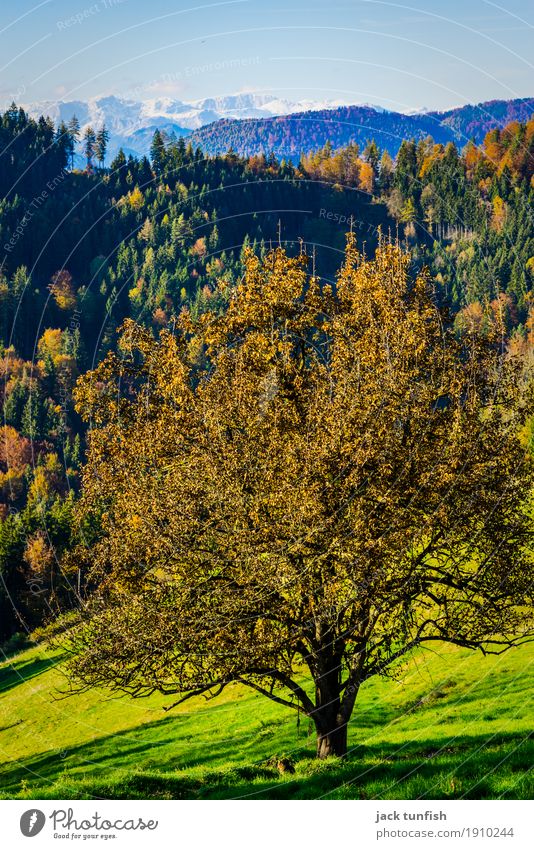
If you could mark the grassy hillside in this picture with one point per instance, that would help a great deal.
(456, 725)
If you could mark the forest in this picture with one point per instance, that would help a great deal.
(154, 240)
(287, 136)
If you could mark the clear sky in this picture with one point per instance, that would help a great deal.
(424, 53)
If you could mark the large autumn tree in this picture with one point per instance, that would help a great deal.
(296, 494)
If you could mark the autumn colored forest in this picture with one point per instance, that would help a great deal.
(105, 262)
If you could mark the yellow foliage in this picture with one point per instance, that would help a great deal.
(499, 211)
(38, 554)
(51, 343)
(199, 249)
(366, 177)
(136, 199)
(319, 476)
(62, 289)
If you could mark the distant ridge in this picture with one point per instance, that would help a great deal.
(475, 121)
(289, 135)
(253, 123)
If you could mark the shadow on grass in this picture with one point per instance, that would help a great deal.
(17, 673)
(120, 766)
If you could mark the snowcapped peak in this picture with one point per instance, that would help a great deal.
(132, 122)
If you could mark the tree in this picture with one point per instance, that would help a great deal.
(51, 342)
(14, 403)
(498, 218)
(315, 480)
(386, 171)
(405, 177)
(62, 289)
(15, 457)
(366, 177)
(120, 160)
(101, 145)
(33, 417)
(408, 212)
(158, 153)
(135, 199)
(74, 134)
(64, 142)
(89, 140)
(372, 154)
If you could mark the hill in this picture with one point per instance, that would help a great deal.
(455, 725)
(469, 121)
(146, 241)
(289, 136)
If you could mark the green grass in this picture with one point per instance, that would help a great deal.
(455, 725)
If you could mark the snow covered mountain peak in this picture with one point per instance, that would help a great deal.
(131, 123)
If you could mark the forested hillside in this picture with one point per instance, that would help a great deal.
(290, 135)
(473, 122)
(84, 249)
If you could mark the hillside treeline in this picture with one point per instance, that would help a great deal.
(82, 250)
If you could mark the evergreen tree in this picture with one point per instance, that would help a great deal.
(101, 144)
(74, 135)
(158, 153)
(32, 417)
(89, 140)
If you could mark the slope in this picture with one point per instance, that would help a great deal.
(289, 136)
(453, 725)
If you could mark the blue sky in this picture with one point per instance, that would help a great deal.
(400, 55)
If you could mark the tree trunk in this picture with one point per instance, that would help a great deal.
(332, 742)
(329, 718)
(334, 704)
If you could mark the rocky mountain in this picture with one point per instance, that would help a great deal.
(132, 123)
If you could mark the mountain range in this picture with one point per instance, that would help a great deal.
(254, 123)
(132, 123)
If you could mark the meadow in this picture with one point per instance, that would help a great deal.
(453, 725)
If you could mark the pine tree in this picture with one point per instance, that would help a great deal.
(157, 153)
(372, 154)
(120, 161)
(89, 139)
(14, 405)
(74, 134)
(100, 145)
(31, 422)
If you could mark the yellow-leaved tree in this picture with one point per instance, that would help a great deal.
(297, 494)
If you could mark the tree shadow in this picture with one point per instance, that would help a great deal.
(123, 766)
(16, 673)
